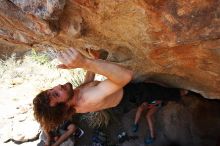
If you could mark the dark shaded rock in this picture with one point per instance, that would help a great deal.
(193, 121)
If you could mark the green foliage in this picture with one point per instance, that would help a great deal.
(8, 64)
(78, 77)
(38, 57)
(97, 119)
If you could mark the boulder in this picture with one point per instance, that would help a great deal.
(25, 127)
(192, 121)
(173, 42)
(5, 130)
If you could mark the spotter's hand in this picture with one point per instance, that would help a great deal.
(70, 59)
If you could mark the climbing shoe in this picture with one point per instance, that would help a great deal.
(134, 128)
(79, 133)
(122, 137)
(149, 140)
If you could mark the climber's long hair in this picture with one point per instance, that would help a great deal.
(50, 117)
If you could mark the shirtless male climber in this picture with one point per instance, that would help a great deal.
(53, 106)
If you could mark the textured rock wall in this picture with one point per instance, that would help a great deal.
(192, 121)
(171, 41)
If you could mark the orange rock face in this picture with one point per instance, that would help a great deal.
(173, 42)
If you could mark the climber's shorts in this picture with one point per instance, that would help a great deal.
(153, 104)
(148, 92)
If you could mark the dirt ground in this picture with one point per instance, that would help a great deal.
(119, 122)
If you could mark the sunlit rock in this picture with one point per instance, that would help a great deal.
(176, 42)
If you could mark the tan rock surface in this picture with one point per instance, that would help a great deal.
(174, 42)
